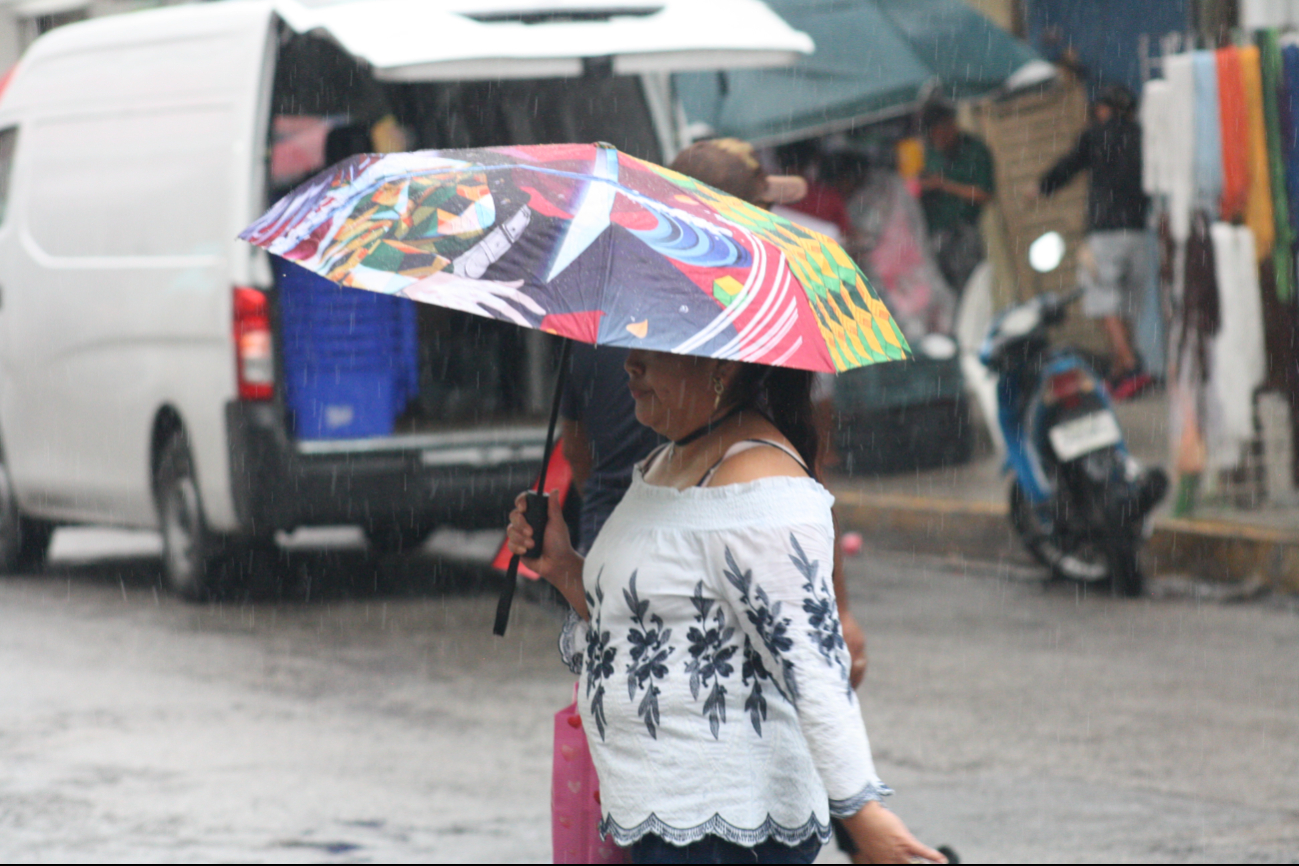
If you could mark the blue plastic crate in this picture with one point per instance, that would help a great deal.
(342, 405)
(341, 344)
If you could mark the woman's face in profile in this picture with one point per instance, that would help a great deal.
(673, 393)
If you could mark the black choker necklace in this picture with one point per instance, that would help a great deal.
(707, 428)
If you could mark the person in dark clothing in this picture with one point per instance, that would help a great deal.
(602, 440)
(1113, 267)
(958, 180)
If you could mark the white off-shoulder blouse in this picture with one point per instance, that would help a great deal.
(714, 677)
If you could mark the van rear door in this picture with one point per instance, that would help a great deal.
(419, 40)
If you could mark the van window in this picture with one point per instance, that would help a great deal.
(145, 183)
(8, 145)
(530, 111)
(325, 106)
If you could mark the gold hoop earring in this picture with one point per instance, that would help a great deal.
(719, 387)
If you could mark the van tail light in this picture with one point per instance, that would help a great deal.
(1068, 388)
(254, 359)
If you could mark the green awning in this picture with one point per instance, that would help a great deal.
(873, 58)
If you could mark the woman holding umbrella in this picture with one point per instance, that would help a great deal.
(707, 597)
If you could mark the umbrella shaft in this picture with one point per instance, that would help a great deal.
(561, 376)
(511, 577)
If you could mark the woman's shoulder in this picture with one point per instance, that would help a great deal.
(768, 501)
(756, 459)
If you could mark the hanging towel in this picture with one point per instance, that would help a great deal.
(1208, 134)
(1289, 114)
(1237, 363)
(1258, 207)
(1155, 179)
(1273, 88)
(1180, 138)
(1235, 134)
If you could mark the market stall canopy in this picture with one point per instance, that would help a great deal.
(431, 40)
(873, 58)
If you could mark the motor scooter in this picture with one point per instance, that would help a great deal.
(1078, 500)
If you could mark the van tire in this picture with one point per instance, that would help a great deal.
(24, 543)
(190, 566)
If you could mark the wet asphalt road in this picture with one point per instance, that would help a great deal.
(1018, 723)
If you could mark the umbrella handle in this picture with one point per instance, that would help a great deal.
(535, 507)
(536, 510)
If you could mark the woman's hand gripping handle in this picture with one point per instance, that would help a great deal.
(538, 533)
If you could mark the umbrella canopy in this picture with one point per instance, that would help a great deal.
(873, 58)
(589, 243)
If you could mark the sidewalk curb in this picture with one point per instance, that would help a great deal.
(1205, 549)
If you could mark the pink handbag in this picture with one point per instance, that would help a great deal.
(575, 797)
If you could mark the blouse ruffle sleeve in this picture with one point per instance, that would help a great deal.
(779, 577)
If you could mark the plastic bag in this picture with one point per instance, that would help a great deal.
(575, 797)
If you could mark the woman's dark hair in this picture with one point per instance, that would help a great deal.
(784, 396)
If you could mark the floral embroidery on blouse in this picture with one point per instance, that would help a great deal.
(714, 633)
(649, 654)
(822, 613)
(753, 669)
(710, 651)
(599, 658)
(767, 622)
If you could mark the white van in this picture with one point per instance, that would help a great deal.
(141, 362)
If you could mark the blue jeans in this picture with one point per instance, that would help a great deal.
(712, 849)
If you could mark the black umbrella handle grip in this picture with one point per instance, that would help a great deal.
(536, 510)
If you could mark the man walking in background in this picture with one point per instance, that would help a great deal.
(958, 180)
(1113, 267)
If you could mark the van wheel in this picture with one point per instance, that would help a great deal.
(189, 563)
(24, 543)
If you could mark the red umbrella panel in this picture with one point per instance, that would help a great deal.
(589, 243)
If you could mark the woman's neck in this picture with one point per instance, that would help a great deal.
(714, 421)
(683, 465)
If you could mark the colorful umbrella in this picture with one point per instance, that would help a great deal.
(588, 243)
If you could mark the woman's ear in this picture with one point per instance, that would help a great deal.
(728, 371)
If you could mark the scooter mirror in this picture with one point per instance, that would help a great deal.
(1046, 253)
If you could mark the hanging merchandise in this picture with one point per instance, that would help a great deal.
(1235, 134)
(1273, 87)
(1288, 101)
(1208, 137)
(1258, 207)
(1196, 323)
(1222, 149)
(1237, 361)
(1155, 122)
(1180, 143)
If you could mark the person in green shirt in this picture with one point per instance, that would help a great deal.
(958, 180)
